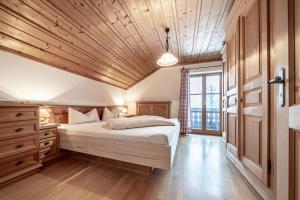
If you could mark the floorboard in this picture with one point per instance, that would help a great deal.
(200, 171)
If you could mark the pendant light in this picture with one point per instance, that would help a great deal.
(167, 59)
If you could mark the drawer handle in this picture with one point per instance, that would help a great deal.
(19, 114)
(19, 130)
(20, 162)
(46, 143)
(19, 146)
(45, 134)
(46, 153)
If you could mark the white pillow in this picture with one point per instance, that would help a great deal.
(93, 115)
(76, 117)
(107, 114)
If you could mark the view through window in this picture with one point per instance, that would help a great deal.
(205, 98)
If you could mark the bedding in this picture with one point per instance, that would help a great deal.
(76, 117)
(152, 135)
(107, 114)
(138, 122)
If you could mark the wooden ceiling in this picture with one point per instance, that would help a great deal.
(113, 41)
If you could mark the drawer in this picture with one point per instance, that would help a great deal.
(8, 114)
(18, 145)
(18, 162)
(47, 133)
(18, 129)
(48, 142)
(47, 152)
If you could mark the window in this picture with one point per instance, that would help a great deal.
(205, 99)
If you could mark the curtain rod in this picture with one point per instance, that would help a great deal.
(201, 67)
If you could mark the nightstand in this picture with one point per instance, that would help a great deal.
(49, 142)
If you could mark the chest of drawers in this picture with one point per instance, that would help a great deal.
(48, 143)
(19, 140)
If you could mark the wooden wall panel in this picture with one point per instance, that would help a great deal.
(252, 139)
(231, 129)
(297, 50)
(232, 61)
(117, 42)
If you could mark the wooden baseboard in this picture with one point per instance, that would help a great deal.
(114, 163)
(258, 186)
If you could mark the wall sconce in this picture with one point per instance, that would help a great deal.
(44, 116)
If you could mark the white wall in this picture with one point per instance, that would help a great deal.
(164, 85)
(22, 79)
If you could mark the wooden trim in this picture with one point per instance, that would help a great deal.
(260, 188)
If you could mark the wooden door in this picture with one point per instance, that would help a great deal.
(294, 110)
(254, 89)
(232, 91)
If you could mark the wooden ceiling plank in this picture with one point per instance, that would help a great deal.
(45, 23)
(203, 20)
(193, 10)
(114, 15)
(182, 26)
(75, 12)
(13, 21)
(116, 43)
(54, 60)
(136, 26)
(221, 32)
(213, 31)
(197, 26)
(88, 43)
(210, 23)
(45, 46)
(141, 15)
(174, 14)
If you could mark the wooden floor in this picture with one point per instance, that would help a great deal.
(200, 171)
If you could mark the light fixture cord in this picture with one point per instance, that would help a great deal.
(167, 40)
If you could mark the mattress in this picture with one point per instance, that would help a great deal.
(162, 135)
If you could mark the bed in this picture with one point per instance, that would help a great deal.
(148, 146)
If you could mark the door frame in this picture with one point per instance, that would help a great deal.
(282, 56)
(203, 130)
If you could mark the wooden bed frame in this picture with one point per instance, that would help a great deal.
(138, 153)
(158, 108)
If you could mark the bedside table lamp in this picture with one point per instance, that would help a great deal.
(123, 111)
(44, 116)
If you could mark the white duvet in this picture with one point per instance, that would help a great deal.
(138, 122)
(153, 134)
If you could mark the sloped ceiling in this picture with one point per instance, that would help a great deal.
(113, 41)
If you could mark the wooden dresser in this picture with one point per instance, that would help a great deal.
(19, 140)
(49, 142)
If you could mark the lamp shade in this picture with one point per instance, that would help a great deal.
(44, 113)
(167, 59)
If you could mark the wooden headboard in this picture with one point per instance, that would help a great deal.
(158, 108)
(59, 113)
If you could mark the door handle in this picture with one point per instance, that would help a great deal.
(276, 80)
(280, 79)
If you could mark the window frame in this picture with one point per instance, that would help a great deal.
(203, 130)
